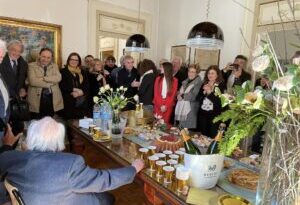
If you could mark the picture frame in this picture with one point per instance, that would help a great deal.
(206, 58)
(182, 51)
(34, 35)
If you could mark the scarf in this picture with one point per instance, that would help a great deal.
(164, 89)
(183, 107)
(76, 70)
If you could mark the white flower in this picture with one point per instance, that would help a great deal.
(157, 116)
(121, 88)
(125, 89)
(106, 87)
(296, 61)
(136, 98)
(161, 121)
(260, 63)
(122, 97)
(118, 89)
(258, 51)
(102, 90)
(95, 99)
(284, 83)
(111, 89)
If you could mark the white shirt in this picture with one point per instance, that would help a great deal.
(5, 95)
(164, 89)
(230, 83)
(12, 63)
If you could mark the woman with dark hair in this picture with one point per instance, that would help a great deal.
(209, 103)
(165, 88)
(74, 87)
(44, 95)
(147, 70)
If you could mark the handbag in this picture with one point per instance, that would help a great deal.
(19, 109)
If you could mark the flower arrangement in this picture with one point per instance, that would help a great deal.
(116, 99)
(159, 122)
(277, 109)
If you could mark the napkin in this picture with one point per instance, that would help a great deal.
(84, 123)
(202, 197)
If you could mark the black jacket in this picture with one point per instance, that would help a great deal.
(67, 83)
(237, 81)
(146, 89)
(181, 75)
(14, 81)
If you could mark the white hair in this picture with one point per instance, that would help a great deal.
(3, 46)
(177, 58)
(46, 135)
(15, 43)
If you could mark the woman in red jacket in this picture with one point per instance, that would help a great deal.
(165, 89)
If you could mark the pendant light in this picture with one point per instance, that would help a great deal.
(206, 35)
(137, 42)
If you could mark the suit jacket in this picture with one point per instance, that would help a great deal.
(181, 75)
(14, 81)
(146, 89)
(59, 178)
(237, 81)
(36, 84)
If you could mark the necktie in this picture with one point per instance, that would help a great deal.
(45, 70)
(15, 68)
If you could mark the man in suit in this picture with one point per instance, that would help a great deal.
(235, 74)
(179, 71)
(45, 175)
(14, 69)
(127, 77)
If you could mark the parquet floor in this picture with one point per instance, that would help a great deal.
(131, 194)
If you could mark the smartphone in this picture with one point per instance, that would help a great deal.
(234, 66)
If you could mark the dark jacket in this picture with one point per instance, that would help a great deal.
(14, 81)
(125, 79)
(181, 75)
(60, 178)
(71, 108)
(146, 89)
(237, 81)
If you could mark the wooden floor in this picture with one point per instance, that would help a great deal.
(131, 194)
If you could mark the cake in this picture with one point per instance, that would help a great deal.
(167, 142)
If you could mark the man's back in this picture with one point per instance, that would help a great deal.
(59, 178)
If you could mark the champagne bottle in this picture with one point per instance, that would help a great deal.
(189, 145)
(213, 147)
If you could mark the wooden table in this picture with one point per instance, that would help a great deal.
(123, 152)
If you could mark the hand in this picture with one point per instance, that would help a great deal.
(99, 77)
(22, 93)
(207, 89)
(78, 91)
(179, 97)
(227, 68)
(9, 138)
(135, 84)
(138, 164)
(74, 94)
(163, 108)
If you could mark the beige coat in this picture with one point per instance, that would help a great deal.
(37, 81)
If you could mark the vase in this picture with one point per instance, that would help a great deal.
(117, 125)
(279, 174)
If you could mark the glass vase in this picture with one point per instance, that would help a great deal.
(117, 125)
(280, 168)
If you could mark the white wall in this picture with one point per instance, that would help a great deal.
(177, 17)
(71, 14)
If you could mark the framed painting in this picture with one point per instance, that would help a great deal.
(34, 36)
(181, 51)
(206, 58)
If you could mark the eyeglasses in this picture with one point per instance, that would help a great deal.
(72, 59)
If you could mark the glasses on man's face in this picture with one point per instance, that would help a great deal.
(72, 59)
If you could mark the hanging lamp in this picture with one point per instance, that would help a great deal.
(137, 42)
(206, 35)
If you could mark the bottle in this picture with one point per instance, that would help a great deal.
(213, 147)
(137, 110)
(189, 145)
(106, 116)
(141, 114)
(96, 115)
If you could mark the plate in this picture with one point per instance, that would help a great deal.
(225, 184)
(103, 139)
(231, 200)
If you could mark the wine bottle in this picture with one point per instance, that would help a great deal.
(213, 147)
(189, 145)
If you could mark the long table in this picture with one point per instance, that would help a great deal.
(123, 152)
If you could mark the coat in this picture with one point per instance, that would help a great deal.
(59, 178)
(67, 83)
(169, 101)
(37, 82)
(191, 120)
(146, 89)
(14, 82)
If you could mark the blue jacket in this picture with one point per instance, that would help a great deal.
(59, 178)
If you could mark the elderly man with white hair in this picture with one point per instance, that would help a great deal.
(45, 175)
(179, 71)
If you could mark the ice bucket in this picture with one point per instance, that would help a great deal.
(204, 169)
